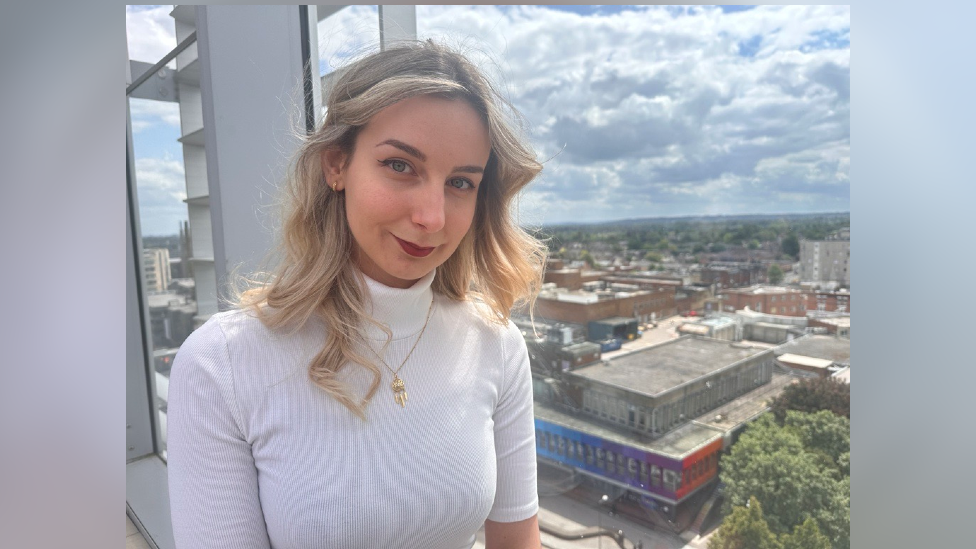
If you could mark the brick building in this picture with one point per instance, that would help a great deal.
(839, 325)
(579, 307)
(733, 275)
(839, 301)
(571, 279)
(774, 300)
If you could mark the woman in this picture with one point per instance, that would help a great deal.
(373, 393)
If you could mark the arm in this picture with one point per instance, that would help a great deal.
(213, 483)
(513, 520)
(523, 534)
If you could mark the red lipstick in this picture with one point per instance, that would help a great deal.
(413, 249)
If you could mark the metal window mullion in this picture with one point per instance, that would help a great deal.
(140, 429)
(253, 103)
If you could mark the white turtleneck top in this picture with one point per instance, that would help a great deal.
(260, 457)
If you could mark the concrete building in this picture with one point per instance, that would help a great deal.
(171, 317)
(820, 355)
(653, 423)
(769, 328)
(827, 260)
(156, 269)
(726, 328)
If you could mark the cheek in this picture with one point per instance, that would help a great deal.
(462, 219)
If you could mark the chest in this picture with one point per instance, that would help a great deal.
(419, 475)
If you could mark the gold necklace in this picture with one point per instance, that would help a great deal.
(399, 391)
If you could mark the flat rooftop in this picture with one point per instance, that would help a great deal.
(809, 362)
(826, 347)
(717, 321)
(676, 444)
(689, 437)
(762, 290)
(658, 369)
(748, 406)
(840, 322)
(616, 321)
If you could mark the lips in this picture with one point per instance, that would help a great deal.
(414, 250)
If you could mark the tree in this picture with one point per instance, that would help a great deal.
(805, 536)
(653, 257)
(587, 258)
(792, 483)
(791, 246)
(825, 433)
(812, 395)
(775, 274)
(745, 528)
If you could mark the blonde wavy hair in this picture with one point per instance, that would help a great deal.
(496, 262)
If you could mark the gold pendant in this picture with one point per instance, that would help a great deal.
(399, 391)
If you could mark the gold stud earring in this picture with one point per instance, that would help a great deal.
(334, 186)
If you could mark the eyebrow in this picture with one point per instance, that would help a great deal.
(415, 152)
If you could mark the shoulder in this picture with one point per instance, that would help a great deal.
(237, 343)
(224, 329)
(475, 317)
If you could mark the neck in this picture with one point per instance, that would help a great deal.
(402, 310)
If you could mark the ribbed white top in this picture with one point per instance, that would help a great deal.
(260, 457)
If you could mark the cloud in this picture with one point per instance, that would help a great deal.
(150, 32)
(638, 110)
(148, 114)
(347, 34)
(161, 189)
(658, 111)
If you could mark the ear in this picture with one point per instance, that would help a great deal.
(333, 166)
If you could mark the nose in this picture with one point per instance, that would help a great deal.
(428, 208)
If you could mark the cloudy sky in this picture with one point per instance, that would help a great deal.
(640, 111)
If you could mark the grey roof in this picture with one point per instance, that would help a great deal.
(818, 346)
(659, 368)
(676, 444)
(615, 321)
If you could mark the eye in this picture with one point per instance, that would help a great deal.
(397, 165)
(460, 183)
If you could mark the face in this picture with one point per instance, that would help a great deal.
(411, 186)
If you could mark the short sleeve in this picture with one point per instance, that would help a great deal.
(213, 483)
(516, 494)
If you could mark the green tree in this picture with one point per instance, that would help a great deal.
(775, 274)
(812, 395)
(653, 257)
(823, 432)
(805, 536)
(793, 484)
(745, 528)
(587, 257)
(791, 246)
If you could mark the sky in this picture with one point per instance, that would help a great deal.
(635, 111)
